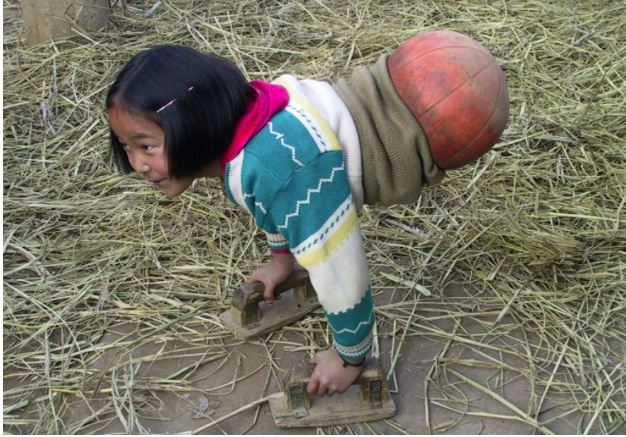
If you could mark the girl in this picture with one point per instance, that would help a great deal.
(177, 114)
(301, 156)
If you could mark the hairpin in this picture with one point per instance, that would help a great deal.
(171, 102)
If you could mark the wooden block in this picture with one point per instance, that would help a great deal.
(366, 400)
(283, 312)
(249, 317)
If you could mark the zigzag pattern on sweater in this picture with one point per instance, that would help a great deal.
(307, 201)
(280, 136)
(355, 330)
(257, 204)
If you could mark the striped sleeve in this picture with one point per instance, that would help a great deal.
(292, 178)
(317, 215)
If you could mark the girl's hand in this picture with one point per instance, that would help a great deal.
(329, 376)
(273, 274)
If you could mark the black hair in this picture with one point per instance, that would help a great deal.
(208, 96)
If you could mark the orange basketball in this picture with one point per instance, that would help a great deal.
(456, 91)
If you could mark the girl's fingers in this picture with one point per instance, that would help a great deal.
(268, 295)
(312, 386)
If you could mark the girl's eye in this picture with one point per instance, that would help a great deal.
(147, 148)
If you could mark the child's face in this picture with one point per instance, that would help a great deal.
(144, 143)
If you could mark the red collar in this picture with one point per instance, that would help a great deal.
(268, 99)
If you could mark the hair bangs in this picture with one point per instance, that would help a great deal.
(196, 98)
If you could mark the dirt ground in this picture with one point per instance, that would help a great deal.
(244, 374)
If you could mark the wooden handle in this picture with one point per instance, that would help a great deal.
(372, 383)
(245, 303)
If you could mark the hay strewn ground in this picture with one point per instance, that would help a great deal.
(537, 228)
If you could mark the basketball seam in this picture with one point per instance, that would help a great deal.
(454, 89)
(495, 107)
(439, 48)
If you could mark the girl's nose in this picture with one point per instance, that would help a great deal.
(143, 168)
(138, 164)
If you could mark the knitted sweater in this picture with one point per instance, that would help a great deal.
(293, 178)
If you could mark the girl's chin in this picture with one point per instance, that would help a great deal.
(174, 187)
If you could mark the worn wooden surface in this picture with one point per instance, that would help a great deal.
(250, 317)
(353, 406)
(285, 311)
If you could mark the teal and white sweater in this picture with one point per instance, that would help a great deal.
(299, 178)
